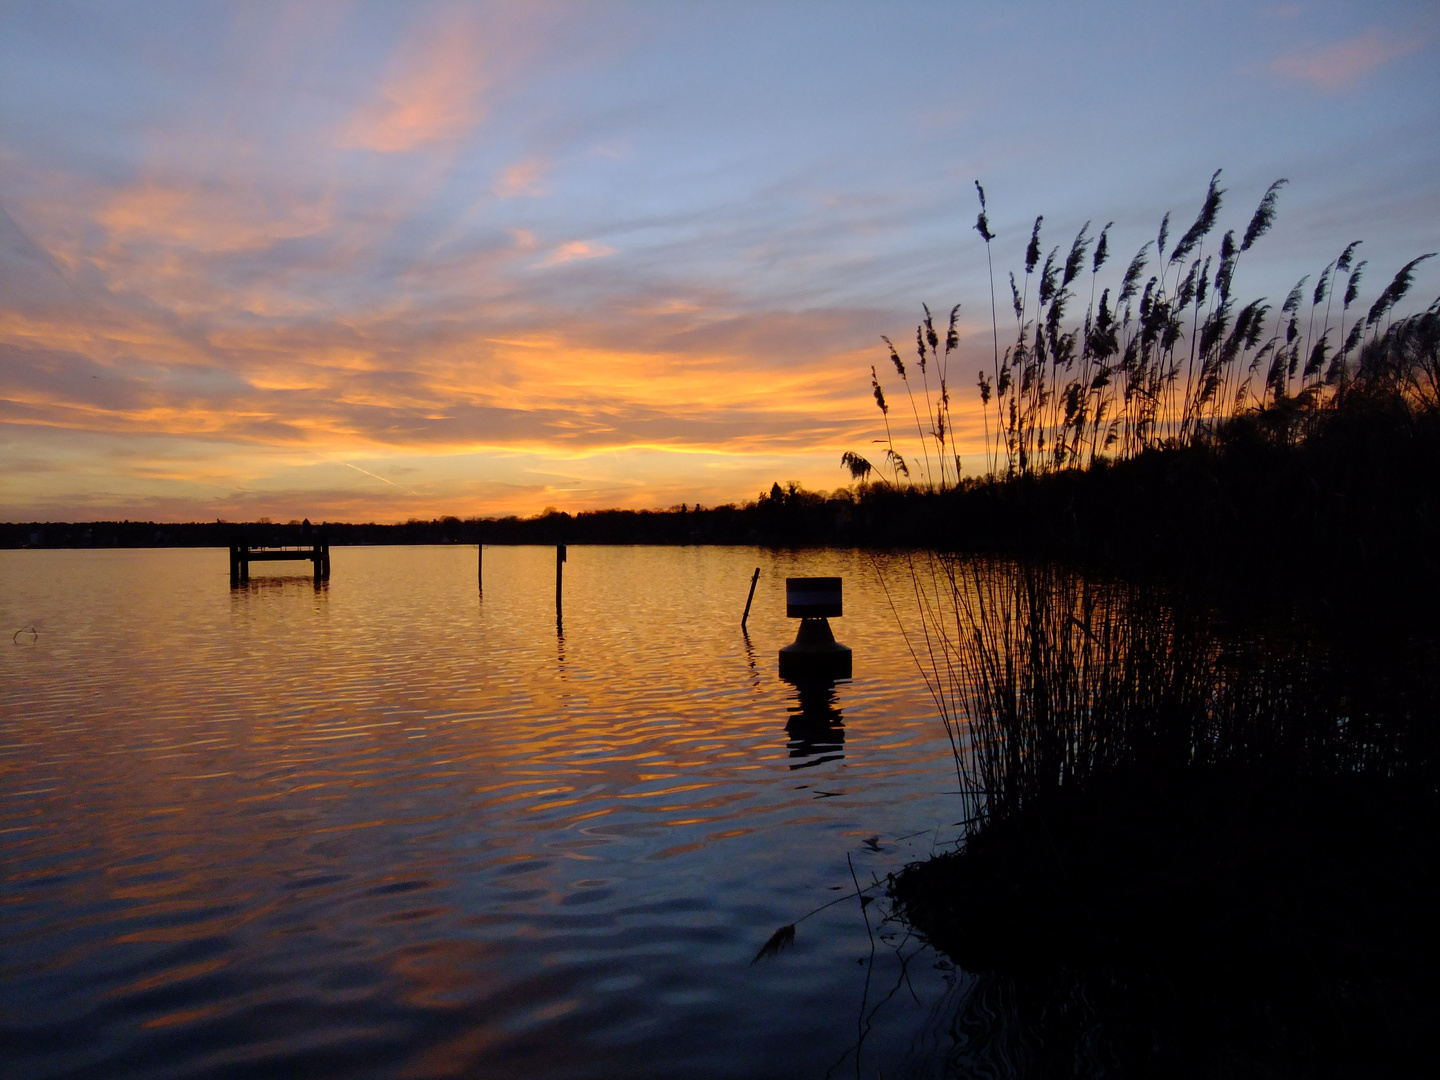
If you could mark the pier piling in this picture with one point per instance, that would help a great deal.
(559, 576)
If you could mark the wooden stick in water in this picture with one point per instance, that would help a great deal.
(559, 574)
(746, 616)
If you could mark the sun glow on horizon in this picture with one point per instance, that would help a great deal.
(383, 263)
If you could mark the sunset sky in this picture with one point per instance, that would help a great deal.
(382, 261)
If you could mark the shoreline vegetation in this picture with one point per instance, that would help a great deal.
(1348, 514)
(1200, 840)
(1194, 690)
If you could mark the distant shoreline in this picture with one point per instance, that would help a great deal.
(720, 525)
(1349, 517)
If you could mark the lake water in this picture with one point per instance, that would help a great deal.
(388, 826)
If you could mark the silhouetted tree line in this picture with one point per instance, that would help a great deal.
(1352, 507)
(784, 515)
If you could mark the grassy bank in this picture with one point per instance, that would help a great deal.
(1200, 844)
(1192, 688)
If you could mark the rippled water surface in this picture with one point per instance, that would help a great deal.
(392, 827)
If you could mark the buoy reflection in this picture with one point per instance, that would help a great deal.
(816, 726)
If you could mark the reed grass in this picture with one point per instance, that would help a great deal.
(1157, 794)
(1169, 362)
(1049, 679)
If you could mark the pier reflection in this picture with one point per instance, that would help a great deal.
(272, 586)
(816, 726)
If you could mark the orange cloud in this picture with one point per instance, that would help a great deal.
(574, 249)
(1341, 65)
(523, 178)
(549, 394)
(430, 92)
(209, 219)
(698, 398)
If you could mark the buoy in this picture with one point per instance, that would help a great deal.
(815, 654)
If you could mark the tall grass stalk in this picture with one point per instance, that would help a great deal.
(1170, 362)
(982, 226)
(1043, 677)
(1048, 680)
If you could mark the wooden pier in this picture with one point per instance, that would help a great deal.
(310, 545)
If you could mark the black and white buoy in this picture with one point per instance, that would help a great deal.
(815, 653)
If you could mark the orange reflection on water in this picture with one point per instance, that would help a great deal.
(386, 813)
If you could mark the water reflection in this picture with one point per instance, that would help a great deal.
(259, 589)
(816, 726)
(383, 828)
(750, 659)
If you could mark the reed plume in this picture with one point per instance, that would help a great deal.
(1159, 361)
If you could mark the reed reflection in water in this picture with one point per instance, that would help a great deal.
(385, 826)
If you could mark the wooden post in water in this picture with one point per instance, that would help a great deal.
(480, 566)
(559, 575)
(746, 616)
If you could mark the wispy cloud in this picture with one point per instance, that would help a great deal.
(209, 218)
(572, 250)
(1342, 64)
(432, 90)
(523, 178)
(690, 381)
